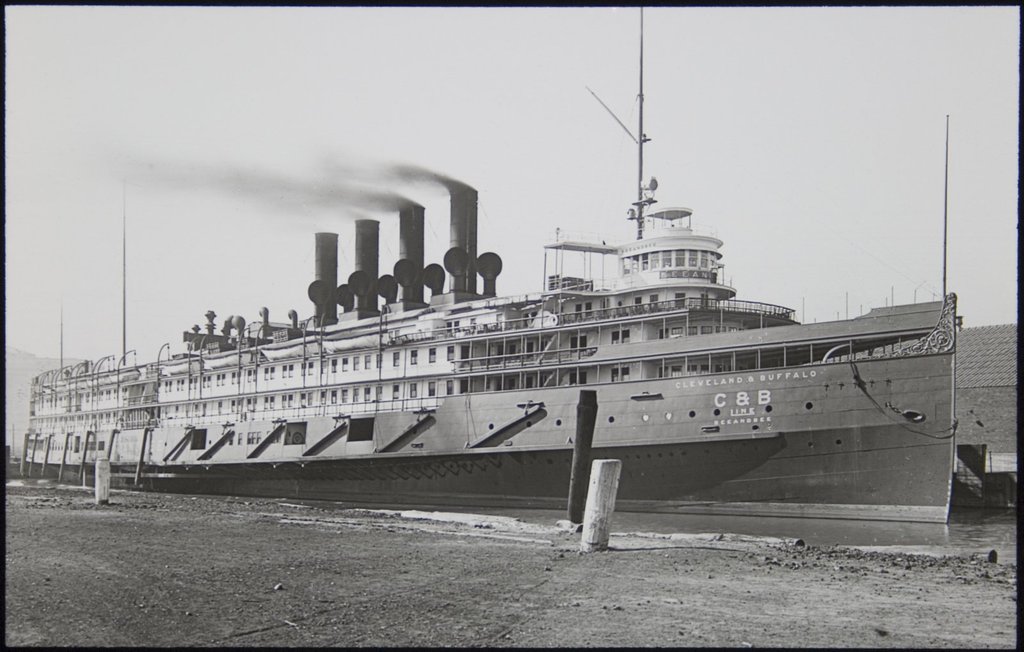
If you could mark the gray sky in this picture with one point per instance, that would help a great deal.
(811, 140)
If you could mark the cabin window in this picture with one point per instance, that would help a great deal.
(449, 387)
(366, 395)
(579, 307)
(334, 396)
(334, 365)
(451, 353)
(620, 374)
(653, 298)
(397, 358)
(413, 357)
(432, 389)
(464, 352)
(344, 396)
(394, 392)
(620, 336)
(355, 363)
(578, 342)
(431, 355)
(645, 262)
(367, 359)
(706, 330)
(413, 389)
(463, 385)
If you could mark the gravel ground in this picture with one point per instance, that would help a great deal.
(172, 570)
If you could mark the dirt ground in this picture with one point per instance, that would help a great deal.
(169, 570)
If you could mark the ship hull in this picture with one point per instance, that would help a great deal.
(870, 475)
(805, 442)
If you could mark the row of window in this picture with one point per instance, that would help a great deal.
(666, 259)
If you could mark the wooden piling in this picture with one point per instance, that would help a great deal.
(597, 520)
(579, 477)
(46, 455)
(142, 456)
(85, 456)
(35, 442)
(63, 456)
(24, 456)
(102, 482)
(110, 446)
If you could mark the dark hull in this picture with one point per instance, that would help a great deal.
(854, 473)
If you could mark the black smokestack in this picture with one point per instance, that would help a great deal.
(367, 243)
(463, 231)
(326, 270)
(410, 246)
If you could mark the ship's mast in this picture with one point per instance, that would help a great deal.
(638, 212)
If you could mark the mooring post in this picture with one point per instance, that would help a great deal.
(63, 456)
(102, 481)
(46, 455)
(586, 417)
(24, 456)
(597, 520)
(35, 442)
(85, 457)
(142, 456)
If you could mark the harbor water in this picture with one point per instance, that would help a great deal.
(968, 531)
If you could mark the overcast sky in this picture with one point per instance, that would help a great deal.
(811, 140)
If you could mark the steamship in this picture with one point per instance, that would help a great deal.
(384, 394)
(713, 404)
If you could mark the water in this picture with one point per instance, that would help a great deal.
(968, 531)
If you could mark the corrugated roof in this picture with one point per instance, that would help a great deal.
(986, 356)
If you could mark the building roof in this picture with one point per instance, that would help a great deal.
(986, 356)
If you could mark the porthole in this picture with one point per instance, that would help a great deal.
(717, 412)
(810, 444)
(490, 426)
(767, 408)
(755, 427)
(646, 417)
(668, 416)
(529, 423)
(558, 422)
(611, 419)
(839, 442)
(692, 414)
(808, 405)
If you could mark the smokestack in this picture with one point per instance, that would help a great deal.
(463, 232)
(327, 271)
(410, 246)
(367, 242)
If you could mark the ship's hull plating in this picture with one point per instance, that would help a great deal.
(793, 442)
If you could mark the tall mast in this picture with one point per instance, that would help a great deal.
(945, 211)
(641, 139)
(124, 267)
(640, 132)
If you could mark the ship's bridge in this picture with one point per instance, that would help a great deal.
(672, 254)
